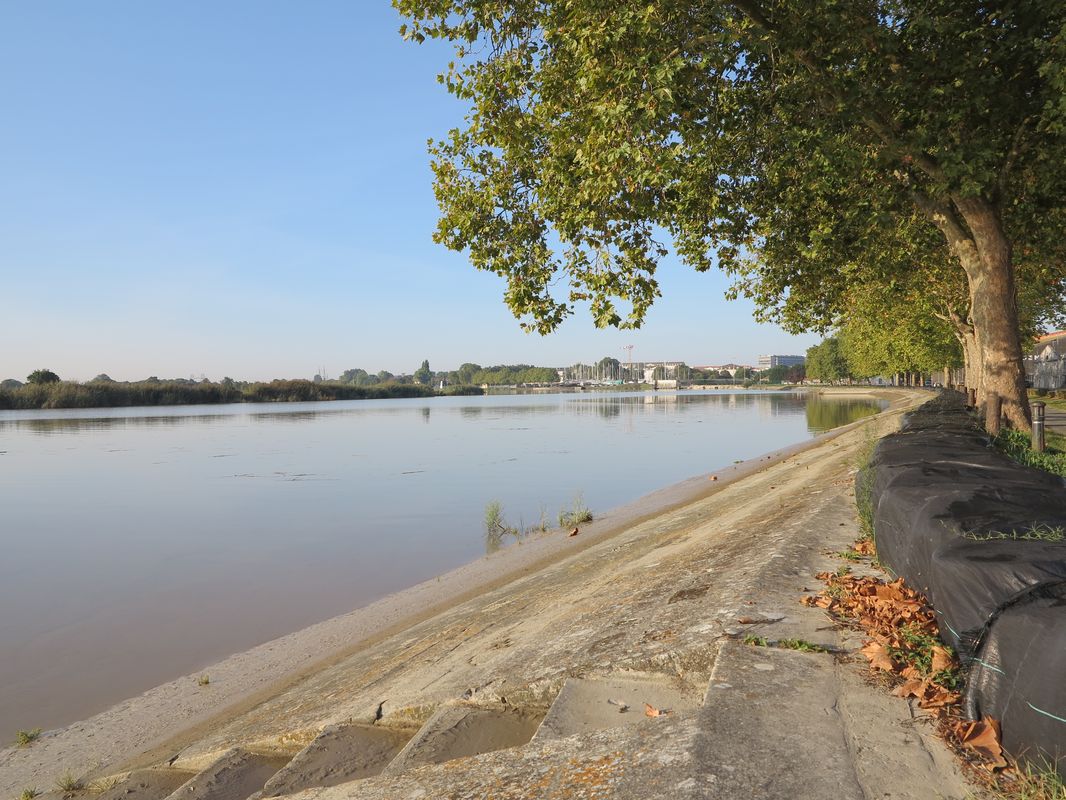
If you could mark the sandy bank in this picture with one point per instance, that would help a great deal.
(181, 718)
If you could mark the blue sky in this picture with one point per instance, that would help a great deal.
(243, 189)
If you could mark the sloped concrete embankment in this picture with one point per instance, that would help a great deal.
(543, 688)
(982, 537)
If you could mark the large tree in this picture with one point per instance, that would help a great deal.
(596, 128)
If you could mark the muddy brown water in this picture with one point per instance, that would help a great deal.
(143, 544)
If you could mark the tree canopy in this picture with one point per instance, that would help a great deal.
(826, 362)
(793, 144)
(42, 376)
(424, 375)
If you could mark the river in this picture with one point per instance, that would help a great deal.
(141, 544)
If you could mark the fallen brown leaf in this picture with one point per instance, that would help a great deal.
(983, 736)
(652, 711)
(942, 659)
(879, 657)
(915, 687)
(864, 547)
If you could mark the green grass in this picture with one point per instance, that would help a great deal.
(26, 738)
(864, 486)
(577, 514)
(1018, 446)
(849, 555)
(1037, 533)
(801, 645)
(842, 571)
(918, 653)
(29, 794)
(203, 680)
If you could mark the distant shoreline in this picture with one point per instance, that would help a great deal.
(111, 394)
(94, 394)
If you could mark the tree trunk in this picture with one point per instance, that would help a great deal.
(971, 354)
(990, 273)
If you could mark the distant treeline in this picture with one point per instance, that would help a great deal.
(467, 375)
(106, 393)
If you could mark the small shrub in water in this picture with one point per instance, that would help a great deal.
(577, 514)
(26, 738)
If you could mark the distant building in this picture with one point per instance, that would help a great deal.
(730, 368)
(765, 362)
(1045, 363)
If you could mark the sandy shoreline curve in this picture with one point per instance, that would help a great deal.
(162, 721)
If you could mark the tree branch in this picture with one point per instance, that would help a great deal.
(883, 129)
(1010, 159)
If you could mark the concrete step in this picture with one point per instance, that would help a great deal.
(236, 775)
(339, 754)
(593, 704)
(458, 731)
(147, 784)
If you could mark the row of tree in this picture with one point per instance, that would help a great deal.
(890, 170)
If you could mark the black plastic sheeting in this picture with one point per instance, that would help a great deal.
(947, 509)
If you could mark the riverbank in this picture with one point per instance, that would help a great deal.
(509, 626)
(112, 394)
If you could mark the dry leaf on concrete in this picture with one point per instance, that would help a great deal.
(879, 657)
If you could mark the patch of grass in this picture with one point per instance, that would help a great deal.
(203, 680)
(29, 794)
(1039, 781)
(834, 591)
(864, 486)
(103, 785)
(26, 738)
(497, 528)
(842, 571)
(1018, 446)
(1037, 533)
(69, 784)
(577, 514)
(802, 645)
(849, 555)
(917, 651)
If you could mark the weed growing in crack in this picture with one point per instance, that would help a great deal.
(802, 645)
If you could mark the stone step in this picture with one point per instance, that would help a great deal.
(339, 754)
(147, 784)
(458, 731)
(236, 775)
(593, 704)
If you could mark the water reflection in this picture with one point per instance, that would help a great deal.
(822, 413)
(825, 414)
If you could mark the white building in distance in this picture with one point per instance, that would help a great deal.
(765, 362)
